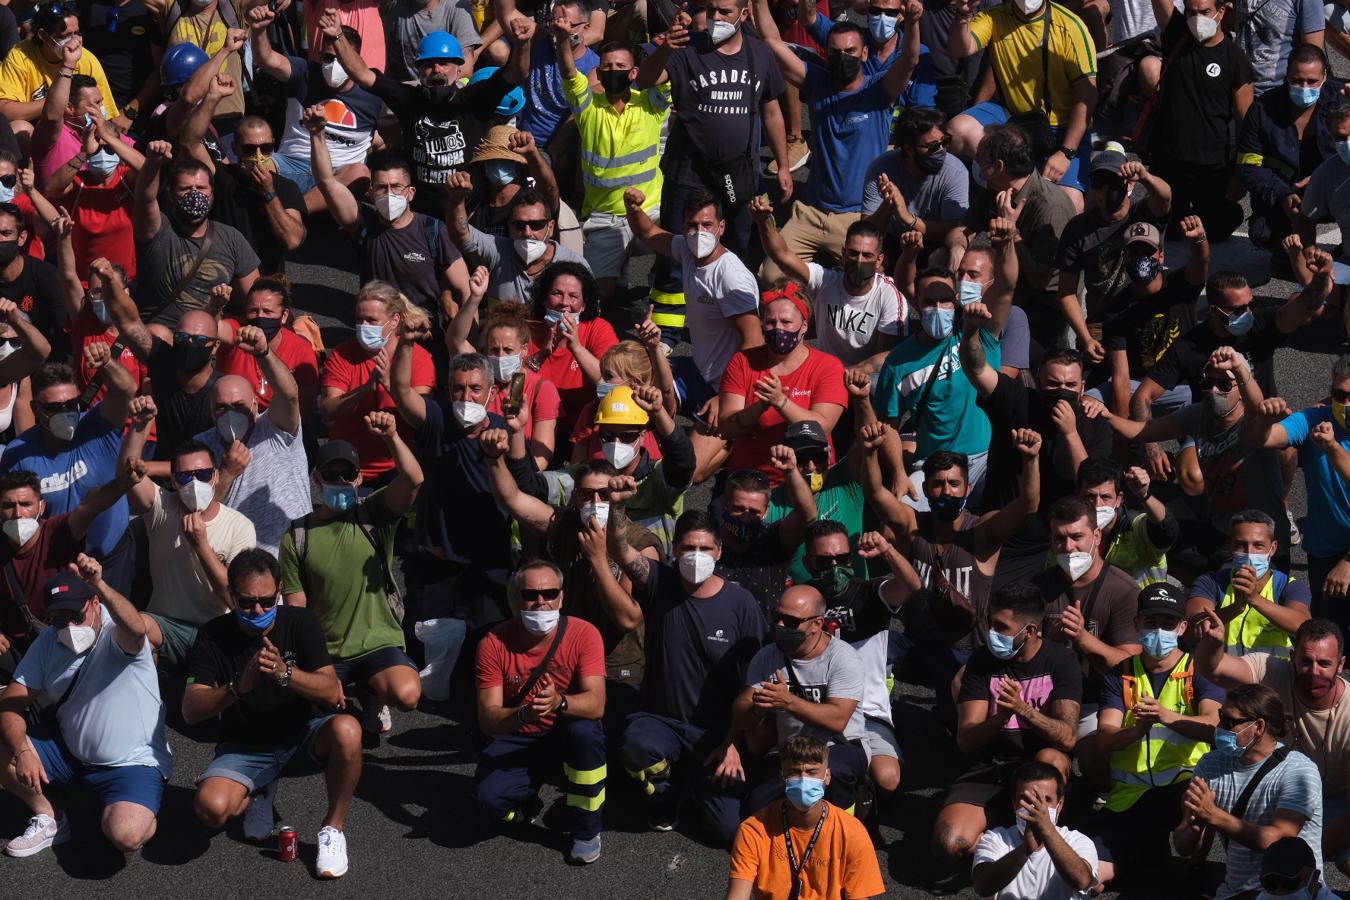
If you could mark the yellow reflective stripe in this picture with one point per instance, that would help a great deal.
(668, 320)
(511, 816)
(667, 298)
(1250, 159)
(590, 804)
(851, 810)
(584, 776)
(651, 771)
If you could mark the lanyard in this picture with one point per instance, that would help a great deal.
(806, 854)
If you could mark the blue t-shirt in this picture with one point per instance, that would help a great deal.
(850, 130)
(545, 101)
(951, 418)
(922, 87)
(1328, 530)
(71, 473)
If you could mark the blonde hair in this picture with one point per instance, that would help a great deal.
(393, 299)
(629, 360)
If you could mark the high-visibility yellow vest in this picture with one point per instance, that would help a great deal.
(1252, 632)
(1163, 756)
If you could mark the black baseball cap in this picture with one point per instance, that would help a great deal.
(1110, 161)
(1285, 860)
(805, 437)
(1162, 597)
(337, 451)
(66, 591)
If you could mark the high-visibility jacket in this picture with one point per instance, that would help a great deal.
(1252, 632)
(619, 150)
(1163, 756)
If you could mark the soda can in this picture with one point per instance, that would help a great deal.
(288, 843)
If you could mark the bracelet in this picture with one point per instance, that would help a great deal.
(62, 73)
(23, 751)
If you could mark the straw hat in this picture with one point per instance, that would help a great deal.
(493, 146)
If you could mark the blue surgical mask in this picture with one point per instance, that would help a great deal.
(1003, 646)
(104, 162)
(1241, 324)
(1158, 642)
(1304, 97)
(803, 791)
(946, 508)
(937, 321)
(882, 28)
(259, 623)
(968, 292)
(500, 172)
(1343, 151)
(977, 173)
(1260, 562)
(339, 497)
(1226, 740)
(602, 389)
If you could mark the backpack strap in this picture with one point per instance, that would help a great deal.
(395, 596)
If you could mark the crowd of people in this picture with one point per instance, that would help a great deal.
(920, 399)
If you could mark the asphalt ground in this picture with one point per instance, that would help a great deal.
(413, 831)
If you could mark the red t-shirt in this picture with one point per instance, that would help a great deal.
(102, 214)
(347, 367)
(293, 350)
(54, 548)
(540, 396)
(506, 658)
(586, 433)
(86, 330)
(34, 248)
(564, 371)
(819, 379)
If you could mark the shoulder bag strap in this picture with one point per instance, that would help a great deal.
(540, 669)
(187, 277)
(796, 686)
(1273, 760)
(35, 625)
(395, 596)
(1045, 62)
(921, 406)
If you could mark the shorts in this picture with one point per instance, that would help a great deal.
(179, 636)
(879, 740)
(142, 785)
(256, 767)
(297, 170)
(991, 113)
(986, 786)
(693, 390)
(607, 242)
(361, 669)
(1168, 401)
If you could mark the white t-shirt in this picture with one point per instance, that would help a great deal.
(713, 294)
(851, 327)
(1039, 879)
(182, 591)
(114, 716)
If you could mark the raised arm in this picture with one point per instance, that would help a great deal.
(461, 324)
(341, 203)
(128, 623)
(960, 41)
(142, 413)
(902, 68)
(145, 216)
(653, 69)
(197, 123)
(122, 310)
(631, 563)
(1002, 524)
(349, 56)
(644, 229)
(121, 387)
(101, 498)
(984, 377)
(535, 516)
(34, 348)
(761, 210)
(539, 166)
(521, 31)
(793, 69)
(411, 405)
(792, 529)
(265, 56)
(457, 191)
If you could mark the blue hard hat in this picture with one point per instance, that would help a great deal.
(179, 62)
(512, 103)
(440, 45)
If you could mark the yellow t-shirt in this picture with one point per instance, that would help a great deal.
(208, 31)
(25, 75)
(1015, 48)
(842, 864)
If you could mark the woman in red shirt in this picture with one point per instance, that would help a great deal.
(268, 306)
(356, 377)
(569, 337)
(766, 388)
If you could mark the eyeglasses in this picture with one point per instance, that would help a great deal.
(531, 595)
(60, 406)
(185, 477)
(623, 437)
(197, 340)
(820, 563)
(585, 494)
(791, 621)
(378, 190)
(338, 476)
(244, 601)
(1230, 724)
(530, 224)
(255, 149)
(1230, 316)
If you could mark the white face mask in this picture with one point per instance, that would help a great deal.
(540, 621)
(77, 638)
(467, 413)
(197, 495)
(232, 426)
(503, 367)
(391, 206)
(63, 424)
(596, 509)
(5, 350)
(1202, 27)
(697, 566)
(1105, 516)
(721, 31)
(1022, 825)
(372, 337)
(334, 75)
(530, 249)
(1075, 564)
(1028, 6)
(618, 454)
(20, 530)
(701, 243)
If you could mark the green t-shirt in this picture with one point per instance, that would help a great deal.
(840, 500)
(343, 580)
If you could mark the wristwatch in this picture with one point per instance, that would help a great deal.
(269, 196)
(285, 680)
(1068, 153)
(562, 706)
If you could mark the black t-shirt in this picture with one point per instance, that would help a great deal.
(240, 205)
(697, 649)
(37, 294)
(1146, 327)
(1184, 362)
(716, 100)
(457, 512)
(935, 615)
(762, 567)
(1011, 405)
(1052, 674)
(124, 47)
(1096, 247)
(181, 415)
(412, 257)
(268, 715)
(1195, 108)
(859, 610)
(441, 132)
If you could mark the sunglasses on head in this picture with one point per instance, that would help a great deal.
(244, 601)
(534, 594)
(791, 621)
(754, 475)
(185, 477)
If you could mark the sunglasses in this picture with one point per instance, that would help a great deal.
(1100, 182)
(1230, 316)
(820, 563)
(244, 601)
(531, 224)
(878, 11)
(751, 474)
(255, 149)
(338, 476)
(934, 146)
(1275, 883)
(1230, 724)
(1340, 396)
(584, 494)
(185, 477)
(60, 406)
(791, 621)
(197, 340)
(65, 617)
(531, 595)
(623, 437)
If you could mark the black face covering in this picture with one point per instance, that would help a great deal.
(842, 67)
(930, 163)
(615, 81)
(268, 325)
(788, 640)
(8, 251)
(191, 358)
(1051, 396)
(438, 93)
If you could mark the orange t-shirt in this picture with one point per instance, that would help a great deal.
(842, 866)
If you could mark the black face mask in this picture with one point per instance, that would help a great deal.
(438, 93)
(788, 640)
(8, 251)
(1051, 396)
(858, 274)
(842, 67)
(191, 358)
(930, 163)
(269, 326)
(615, 81)
(1114, 196)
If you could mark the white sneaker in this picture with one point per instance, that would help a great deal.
(332, 859)
(260, 817)
(377, 720)
(42, 832)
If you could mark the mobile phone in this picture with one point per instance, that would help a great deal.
(516, 395)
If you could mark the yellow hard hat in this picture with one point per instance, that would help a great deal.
(619, 408)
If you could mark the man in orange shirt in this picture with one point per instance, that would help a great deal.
(827, 853)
